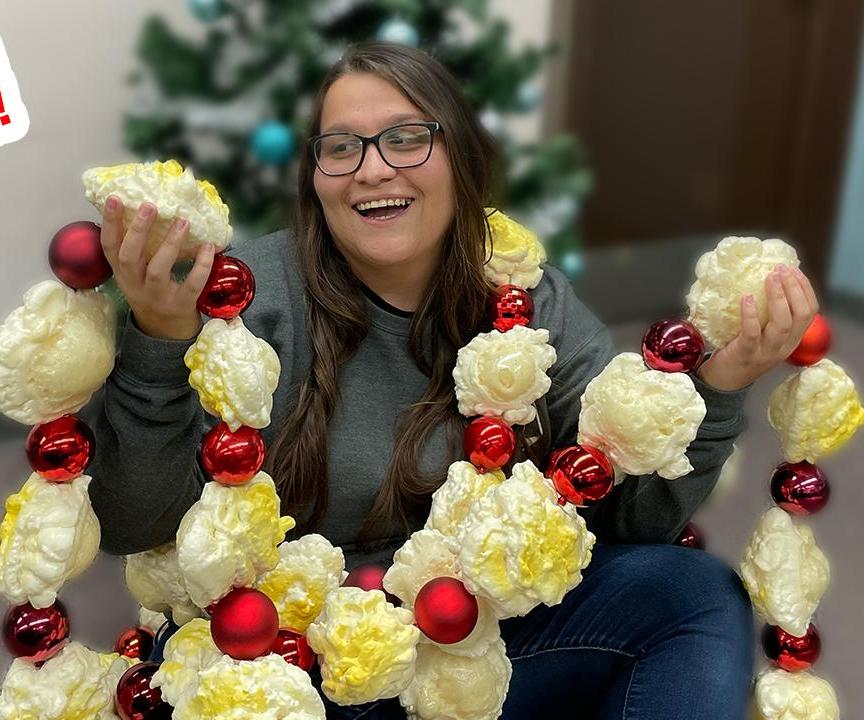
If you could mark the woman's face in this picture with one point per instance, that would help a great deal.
(366, 104)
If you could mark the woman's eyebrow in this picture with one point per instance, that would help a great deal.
(394, 119)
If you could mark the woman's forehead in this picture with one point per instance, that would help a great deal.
(364, 103)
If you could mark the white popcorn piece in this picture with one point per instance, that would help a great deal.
(452, 502)
(515, 252)
(782, 695)
(155, 581)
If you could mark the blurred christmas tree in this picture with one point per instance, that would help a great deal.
(234, 106)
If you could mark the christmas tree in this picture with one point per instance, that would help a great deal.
(234, 106)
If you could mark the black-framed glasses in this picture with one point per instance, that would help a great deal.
(401, 146)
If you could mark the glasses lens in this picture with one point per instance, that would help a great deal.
(338, 153)
(406, 145)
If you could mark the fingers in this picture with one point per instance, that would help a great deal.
(798, 303)
(158, 272)
(112, 229)
(807, 288)
(131, 253)
(200, 272)
(751, 328)
(779, 326)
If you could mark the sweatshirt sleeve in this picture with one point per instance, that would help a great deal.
(148, 424)
(645, 508)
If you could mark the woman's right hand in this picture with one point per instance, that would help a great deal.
(163, 308)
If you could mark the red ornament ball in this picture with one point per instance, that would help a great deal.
(61, 449)
(789, 652)
(691, 536)
(229, 289)
(232, 458)
(814, 345)
(136, 643)
(445, 611)
(370, 577)
(76, 257)
(244, 623)
(800, 488)
(36, 634)
(581, 474)
(294, 648)
(673, 346)
(136, 699)
(489, 443)
(510, 306)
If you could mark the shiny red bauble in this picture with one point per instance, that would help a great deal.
(244, 623)
(136, 699)
(445, 611)
(814, 345)
(510, 306)
(789, 652)
(581, 474)
(232, 458)
(691, 536)
(229, 289)
(673, 346)
(35, 634)
(800, 488)
(61, 449)
(76, 257)
(370, 577)
(136, 643)
(489, 443)
(294, 648)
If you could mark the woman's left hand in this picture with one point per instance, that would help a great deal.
(792, 305)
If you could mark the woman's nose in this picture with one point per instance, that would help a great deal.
(373, 168)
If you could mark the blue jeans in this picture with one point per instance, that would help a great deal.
(653, 632)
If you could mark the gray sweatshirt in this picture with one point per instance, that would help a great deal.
(149, 423)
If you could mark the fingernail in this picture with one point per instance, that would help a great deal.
(110, 204)
(146, 210)
(181, 224)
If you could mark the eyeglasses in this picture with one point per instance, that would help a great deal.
(400, 146)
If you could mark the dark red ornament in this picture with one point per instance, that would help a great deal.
(229, 289)
(581, 474)
(489, 443)
(76, 257)
(232, 458)
(789, 652)
(800, 488)
(510, 306)
(61, 449)
(814, 345)
(445, 611)
(36, 634)
(244, 623)
(691, 536)
(370, 577)
(673, 346)
(294, 647)
(136, 699)
(135, 642)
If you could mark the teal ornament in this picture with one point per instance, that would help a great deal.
(529, 96)
(572, 264)
(208, 10)
(273, 143)
(397, 30)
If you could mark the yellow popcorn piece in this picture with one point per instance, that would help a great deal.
(737, 266)
(56, 350)
(229, 537)
(75, 684)
(309, 568)
(452, 502)
(516, 252)
(155, 581)
(519, 548)
(784, 572)
(366, 647)
(234, 373)
(174, 191)
(49, 535)
(643, 419)
(815, 411)
(449, 686)
(782, 695)
(187, 652)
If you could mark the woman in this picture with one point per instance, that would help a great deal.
(366, 307)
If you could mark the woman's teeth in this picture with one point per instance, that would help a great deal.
(381, 209)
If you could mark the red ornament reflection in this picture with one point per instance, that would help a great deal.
(789, 652)
(135, 642)
(800, 488)
(76, 257)
(691, 536)
(136, 699)
(581, 474)
(294, 648)
(229, 289)
(673, 346)
(510, 306)
(244, 623)
(36, 634)
(232, 458)
(489, 443)
(370, 577)
(814, 345)
(61, 449)
(445, 611)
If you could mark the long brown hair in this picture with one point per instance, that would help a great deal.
(452, 310)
